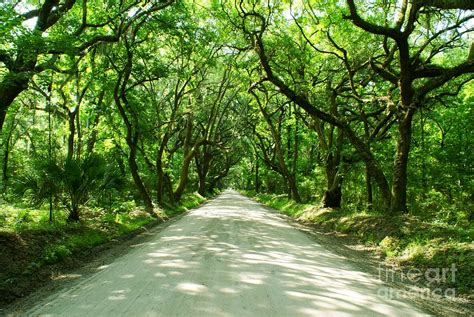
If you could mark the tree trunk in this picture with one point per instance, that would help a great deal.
(424, 180)
(203, 164)
(136, 177)
(295, 195)
(160, 186)
(189, 153)
(93, 137)
(333, 194)
(295, 147)
(169, 188)
(289, 191)
(183, 177)
(79, 133)
(368, 186)
(72, 133)
(400, 180)
(10, 87)
(373, 167)
(257, 179)
(73, 214)
(202, 185)
(6, 153)
(406, 111)
(160, 181)
(332, 197)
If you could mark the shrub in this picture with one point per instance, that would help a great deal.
(56, 253)
(390, 246)
(23, 217)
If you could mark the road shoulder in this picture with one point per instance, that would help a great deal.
(368, 261)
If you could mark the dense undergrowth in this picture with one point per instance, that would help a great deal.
(405, 241)
(30, 244)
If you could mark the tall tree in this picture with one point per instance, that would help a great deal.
(58, 28)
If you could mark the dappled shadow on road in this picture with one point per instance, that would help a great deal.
(228, 258)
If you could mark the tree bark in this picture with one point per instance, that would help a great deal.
(333, 194)
(202, 185)
(257, 179)
(6, 153)
(188, 155)
(160, 181)
(448, 4)
(203, 164)
(72, 132)
(93, 137)
(405, 118)
(169, 188)
(73, 214)
(11, 86)
(400, 179)
(132, 163)
(295, 195)
(332, 197)
(373, 167)
(160, 186)
(7, 144)
(368, 186)
(79, 134)
(183, 177)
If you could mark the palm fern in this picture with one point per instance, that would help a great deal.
(70, 182)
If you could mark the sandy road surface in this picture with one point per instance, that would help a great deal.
(230, 257)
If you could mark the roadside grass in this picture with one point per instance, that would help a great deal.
(280, 202)
(187, 202)
(29, 243)
(404, 241)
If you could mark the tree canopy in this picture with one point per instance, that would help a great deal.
(357, 104)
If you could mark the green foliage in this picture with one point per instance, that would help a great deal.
(71, 182)
(22, 218)
(189, 201)
(389, 246)
(123, 206)
(56, 254)
(280, 202)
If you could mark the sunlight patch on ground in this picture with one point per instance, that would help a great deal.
(128, 276)
(251, 278)
(65, 276)
(228, 290)
(191, 288)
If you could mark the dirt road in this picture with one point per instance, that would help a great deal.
(230, 257)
